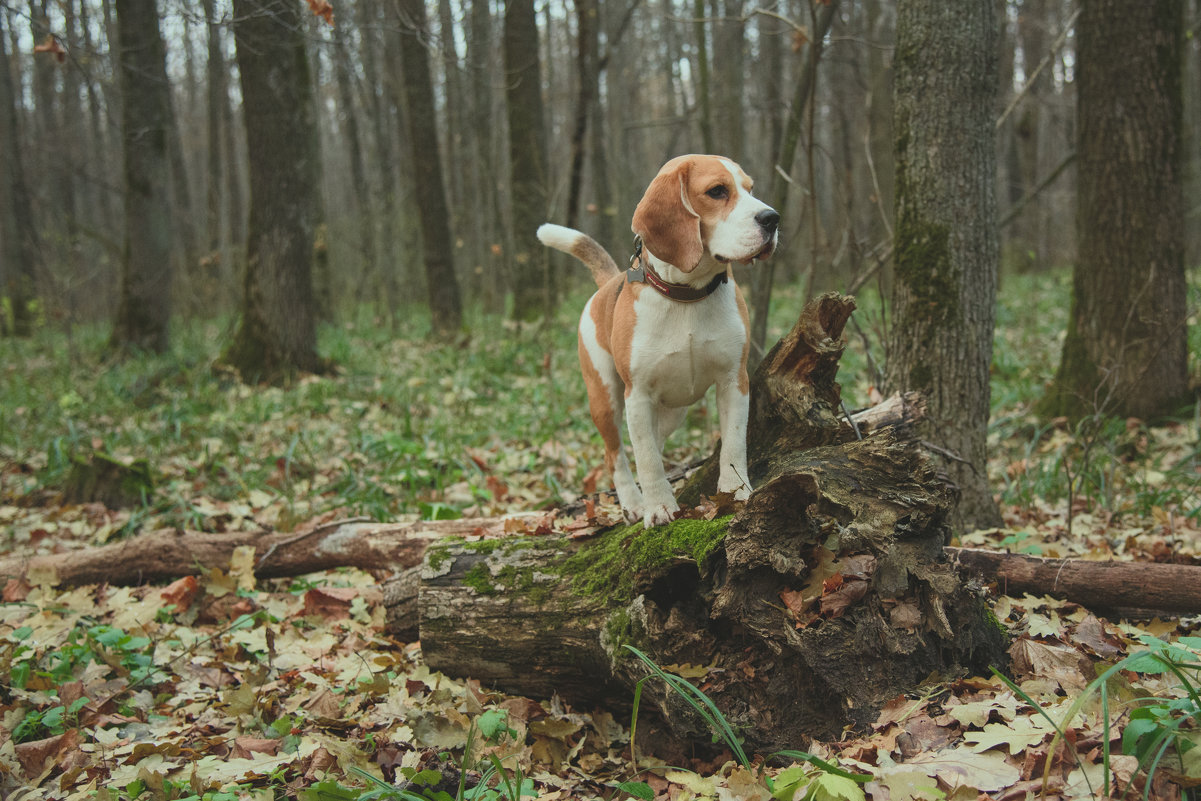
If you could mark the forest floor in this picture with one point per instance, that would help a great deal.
(225, 687)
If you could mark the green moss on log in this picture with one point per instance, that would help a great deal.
(608, 566)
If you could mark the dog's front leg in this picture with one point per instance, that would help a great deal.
(733, 407)
(659, 504)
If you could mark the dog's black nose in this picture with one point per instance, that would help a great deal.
(768, 219)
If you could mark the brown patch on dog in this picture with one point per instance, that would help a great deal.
(665, 220)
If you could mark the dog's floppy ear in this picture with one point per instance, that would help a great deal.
(665, 220)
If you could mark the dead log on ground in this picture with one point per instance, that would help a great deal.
(167, 554)
(1134, 587)
(826, 596)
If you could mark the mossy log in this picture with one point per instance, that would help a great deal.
(827, 595)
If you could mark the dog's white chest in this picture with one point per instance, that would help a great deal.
(681, 349)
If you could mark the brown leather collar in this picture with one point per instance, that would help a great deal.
(641, 271)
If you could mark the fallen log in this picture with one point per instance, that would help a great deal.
(168, 554)
(1143, 588)
(825, 596)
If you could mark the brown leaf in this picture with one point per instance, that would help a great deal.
(589, 484)
(905, 615)
(1091, 633)
(15, 590)
(320, 762)
(795, 601)
(498, 488)
(897, 710)
(836, 603)
(51, 45)
(323, 9)
(330, 603)
(1055, 661)
(35, 755)
(324, 705)
(181, 592)
(245, 746)
(860, 566)
(523, 709)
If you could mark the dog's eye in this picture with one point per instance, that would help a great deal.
(718, 192)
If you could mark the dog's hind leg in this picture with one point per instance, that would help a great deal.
(606, 403)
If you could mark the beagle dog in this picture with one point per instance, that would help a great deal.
(653, 339)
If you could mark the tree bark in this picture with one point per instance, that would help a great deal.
(1126, 348)
(144, 313)
(364, 207)
(437, 243)
(277, 334)
(167, 554)
(1149, 587)
(21, 248)
(944, 296)
(764, 276)
(216, 94)
(533, 282)
(587, 63)
(1030, 252)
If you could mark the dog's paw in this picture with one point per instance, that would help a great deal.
(659, 514)
(631, 514)
(742, 493)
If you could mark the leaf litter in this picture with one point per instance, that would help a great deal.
(219, 683)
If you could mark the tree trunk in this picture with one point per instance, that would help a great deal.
(277, 335)
(944, 296)
(1028, 130)
(704, 100)
(587, 62)
(437, 243)
(764, 276)
(144, 313)
(1126, 348)
(363, 205)
(216, 100)
(21, 249)
(533, 283)
(827, 595)
(380, 113)
(727, 82)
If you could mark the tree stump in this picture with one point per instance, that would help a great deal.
(99, 477)
(824, 597)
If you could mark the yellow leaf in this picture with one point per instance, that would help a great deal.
(688, 671)
(241, 567)
(694, 783)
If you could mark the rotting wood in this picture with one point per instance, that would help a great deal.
(1149, 587)
(167, 554)
(827, 595)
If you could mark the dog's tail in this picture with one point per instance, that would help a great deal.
(583, 247)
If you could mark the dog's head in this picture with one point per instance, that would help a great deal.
(702, 205)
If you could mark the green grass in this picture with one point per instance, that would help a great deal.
(390, 432)
(414, 426)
